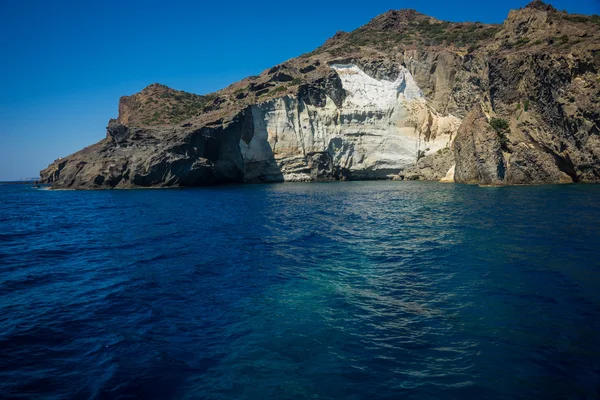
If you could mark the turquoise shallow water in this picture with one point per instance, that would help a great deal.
(359, 290)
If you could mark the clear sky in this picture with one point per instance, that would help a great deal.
(64, 64)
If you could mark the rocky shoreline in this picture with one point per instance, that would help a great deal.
(404, 97)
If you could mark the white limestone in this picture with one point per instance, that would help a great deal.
(380, 128)
(367, 92)
(449, 175)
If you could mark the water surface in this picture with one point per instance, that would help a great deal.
(359, 290)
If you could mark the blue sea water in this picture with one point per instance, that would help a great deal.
(356, 290)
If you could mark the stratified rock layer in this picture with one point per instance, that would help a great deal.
(374, 129)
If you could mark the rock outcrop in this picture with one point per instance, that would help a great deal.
(404, 97)
(478, 151)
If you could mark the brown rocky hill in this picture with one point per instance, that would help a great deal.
(404, 97)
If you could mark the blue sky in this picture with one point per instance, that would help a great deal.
(65, 64)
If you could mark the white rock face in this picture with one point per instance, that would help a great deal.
(381, 128)
(449, 175)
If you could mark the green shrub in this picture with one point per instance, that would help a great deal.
(582, 18)
(506, 45)
(521, 42)
(501, 127)
(503, 141)
(278, 89)
(499, 124)
(526, 105)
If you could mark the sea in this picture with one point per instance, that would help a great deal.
(346, 290)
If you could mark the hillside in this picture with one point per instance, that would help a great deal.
(404, 97)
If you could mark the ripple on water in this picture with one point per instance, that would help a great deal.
(353, 290)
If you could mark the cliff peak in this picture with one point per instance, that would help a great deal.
(158, 104)
(156, 88)
(540, 5)
(398, 19)
(405, 13)
(539, 22)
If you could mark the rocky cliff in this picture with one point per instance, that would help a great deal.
(404, 97)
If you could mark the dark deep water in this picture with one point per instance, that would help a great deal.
(359, 290)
